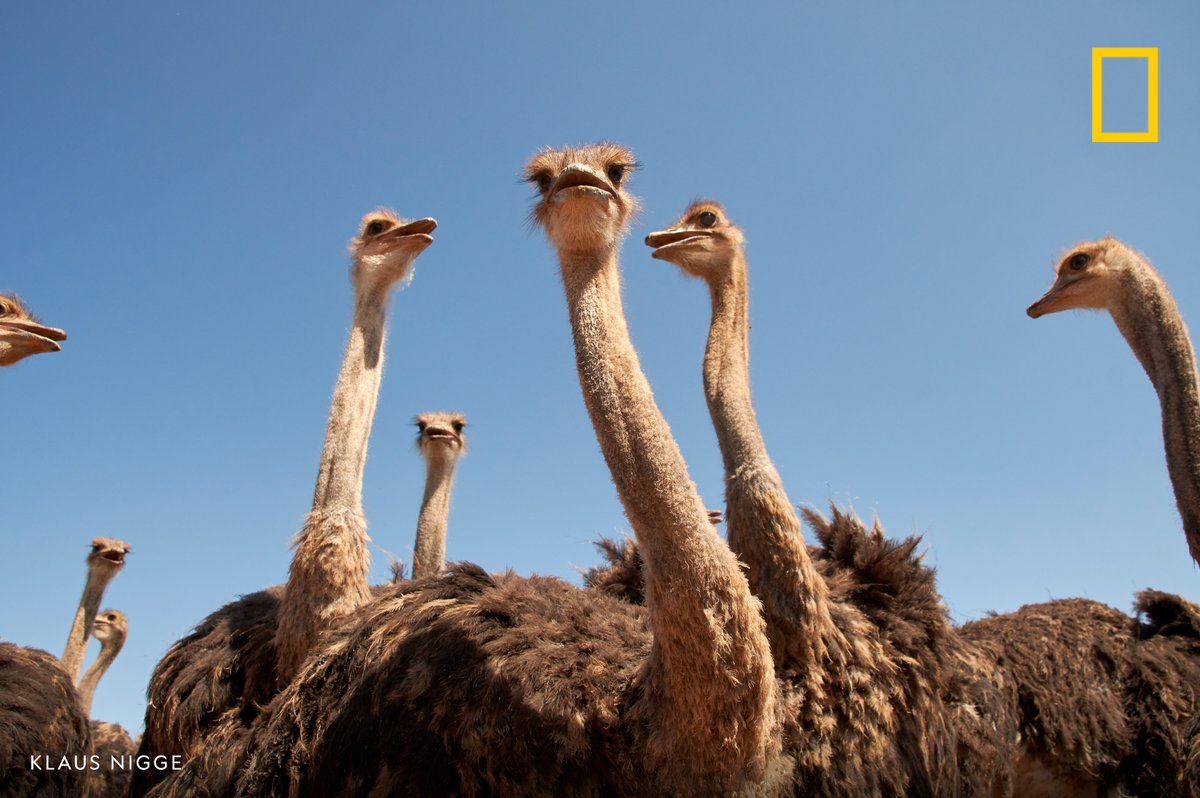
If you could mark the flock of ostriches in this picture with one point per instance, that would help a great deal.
(688, 664)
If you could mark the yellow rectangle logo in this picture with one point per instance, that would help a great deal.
(1151, 56)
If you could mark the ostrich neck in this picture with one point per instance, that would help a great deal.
(429, 552)
(763, 529)
(344, 455)
(328, 575)
(727, 373)
(87, 685)
(81, 626)
(1150, 321)
(709, 689)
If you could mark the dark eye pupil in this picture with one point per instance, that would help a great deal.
(616, 172)
(374, 228)
(708, 219)
(543, 182)
(1079, 261)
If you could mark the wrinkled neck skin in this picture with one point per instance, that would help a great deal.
(328, 574)
(87, 686)
(763, 529)
(81, 627)
(429, 552)
(707, 689)
(1150, 322)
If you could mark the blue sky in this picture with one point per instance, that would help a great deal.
(180, 180)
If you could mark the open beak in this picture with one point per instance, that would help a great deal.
(436, 433)
(580, 177)
(419, 230)
(666, 241)
(114, 556)
(30, 338)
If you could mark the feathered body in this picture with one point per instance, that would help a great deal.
(40, 716)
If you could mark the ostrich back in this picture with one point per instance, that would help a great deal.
(465, 683)
(477, 684)
(1101, 699)
(220, 673)
(40, 715)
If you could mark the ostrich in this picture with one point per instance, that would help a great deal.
(1103, 700)
(1107, 275)
(41, 712)
(328, 575)
(530, 685)
(813, 601)
(238, 657)
(477, 684)
(22, 335)
(110, 628)
(760, 521)
(105, 561)
(109, 740)
(441, 441)
(1106, 700)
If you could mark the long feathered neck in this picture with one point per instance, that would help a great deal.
(761, 522)
(328, 574)
(429, 551)
(727, 371)
(87, 685)
(709, 690)
(1150, 322)
(81, 627)
(344, 454)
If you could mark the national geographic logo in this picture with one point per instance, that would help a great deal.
(1151, 56)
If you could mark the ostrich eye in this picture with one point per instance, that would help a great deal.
(421, 426)
(1078, 261)
(3, 310)
(543, 182)
(708, 219)
(615, 173)
(375, 228)
(458, 426)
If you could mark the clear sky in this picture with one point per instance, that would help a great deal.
(180, 180)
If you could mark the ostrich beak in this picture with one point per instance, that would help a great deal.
(1056, 299)
(665, 242)
(418, 230)
(439, 433)
(581, 177)
(24, 338)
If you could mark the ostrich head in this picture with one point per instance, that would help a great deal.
(1091, 276)
(701, 243)
(22, 335)
(110, 628)
(582, 202)
(385, 247)
(108, 555)
(441, 434)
